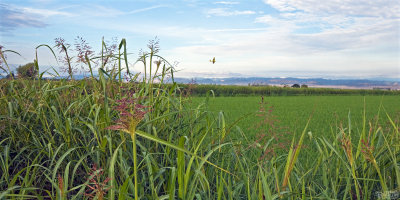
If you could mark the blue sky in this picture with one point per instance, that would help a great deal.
(301, 38)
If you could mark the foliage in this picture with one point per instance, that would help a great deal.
(236, 90)
(295, 85)
(86, 57)
(69, 139)
(27, 71)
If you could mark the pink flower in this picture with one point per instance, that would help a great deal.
(131, 114)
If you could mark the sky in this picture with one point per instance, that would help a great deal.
(262, 38)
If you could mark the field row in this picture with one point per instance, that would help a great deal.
(235, 90)
(288, 115)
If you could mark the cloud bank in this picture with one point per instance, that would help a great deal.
(13, 17)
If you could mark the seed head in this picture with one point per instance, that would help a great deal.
(131, 114)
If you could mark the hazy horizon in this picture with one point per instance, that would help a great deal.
(265, 38)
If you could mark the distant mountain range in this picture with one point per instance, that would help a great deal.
(311, 82)
(349, 83)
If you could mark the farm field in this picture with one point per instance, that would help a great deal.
(292, 112)
(285, 117)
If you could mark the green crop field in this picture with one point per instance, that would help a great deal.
(284, 117)
(292, 112)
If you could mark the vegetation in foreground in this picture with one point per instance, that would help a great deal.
(105, 139)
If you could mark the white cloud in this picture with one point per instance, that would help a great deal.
(363, 33)
(280, 5)
(335, 13)
(381, 8)
(45, 12)
(275, 22)
(14, 16)
(146, 9)
(274, 50)
(336, 37)
(267, 19)
(337, 25)
(227, 2)
(112, 12)
(224, 12)
(267, 51)
(99, 11)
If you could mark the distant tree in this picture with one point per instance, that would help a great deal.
(27, 71)
(304, 86)
(296, 86)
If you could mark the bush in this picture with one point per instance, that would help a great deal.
(304, 86)
(237, 90)
(296, 86)
(27, 71)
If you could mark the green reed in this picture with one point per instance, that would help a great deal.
(71, 139)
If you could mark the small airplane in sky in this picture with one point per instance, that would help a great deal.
(213, 60)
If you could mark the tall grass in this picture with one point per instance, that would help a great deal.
(103, 138)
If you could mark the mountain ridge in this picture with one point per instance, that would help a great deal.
(288, 81)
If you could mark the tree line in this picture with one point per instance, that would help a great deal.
(235, 90)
